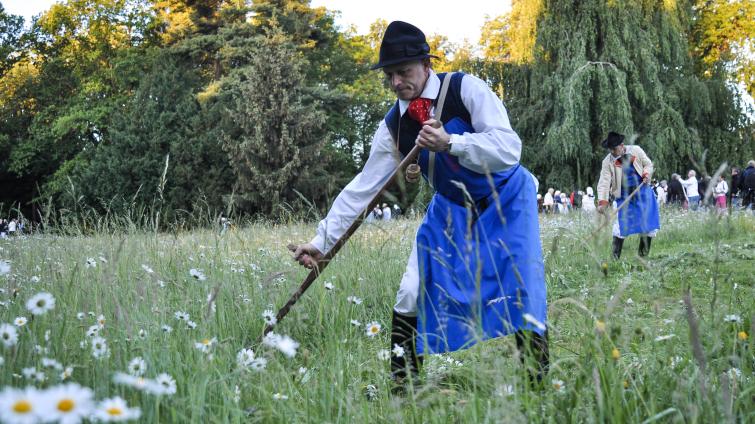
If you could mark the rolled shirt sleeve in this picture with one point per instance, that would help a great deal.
(356, 196)
(495, 146)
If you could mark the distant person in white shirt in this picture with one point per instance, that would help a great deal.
(690, 188)
(386, 212)
(720, 191)
(12, 227)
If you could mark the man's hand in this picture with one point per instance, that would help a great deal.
(646, 180)
(433, 137)
(306, 254)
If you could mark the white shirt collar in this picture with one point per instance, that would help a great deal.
(432, 88)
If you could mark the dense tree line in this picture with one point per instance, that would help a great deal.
(264, 107)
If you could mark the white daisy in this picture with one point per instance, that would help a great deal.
(34, 279)
(40, 303)
(80, 316)
(355, 300)
(269, 317)
(142, 334)
(384, 354)
(398, 351)
(733, 318)
(91, 263)
(191, 325)
(734, 373)
(558, 385)
(67, 403)
(93, 330)
(147, 269)
(356, 323)
(8, 334)
(167, 329)
(270, 339)
(29, 372)
(287, 346)
(137, 366)
(197, 274)
(258, 364)
(206, 344)
(101, 321)
(20, 405)
(245, 357)
(279, 396)
(163, 384)
(372, 329)
(67, 373)
(99, 348)
(115, 409)
(181, 315)
(302, 370)
(51, 363)
(329, 286)
(20, 321)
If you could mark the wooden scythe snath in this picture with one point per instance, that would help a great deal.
(327, 257)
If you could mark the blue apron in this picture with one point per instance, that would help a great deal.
(480, 258)
(640, 215)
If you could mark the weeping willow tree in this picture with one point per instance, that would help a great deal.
(598, 66)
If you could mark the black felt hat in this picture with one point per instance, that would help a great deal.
(402, 42)
(613, 140)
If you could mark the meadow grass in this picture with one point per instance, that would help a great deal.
(622, 348)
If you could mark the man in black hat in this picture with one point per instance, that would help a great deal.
(625, 175)
(476, 270)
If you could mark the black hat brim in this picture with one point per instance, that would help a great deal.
(396, 61)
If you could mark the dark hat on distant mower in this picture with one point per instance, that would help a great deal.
(613, 140)
(402, 42)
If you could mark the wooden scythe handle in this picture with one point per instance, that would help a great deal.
(323, 263)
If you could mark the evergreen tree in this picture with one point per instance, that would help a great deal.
(163, 119)
(272, 128)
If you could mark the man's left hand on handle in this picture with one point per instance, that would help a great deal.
(433, 136)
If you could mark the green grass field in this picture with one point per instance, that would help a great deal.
(622, 347)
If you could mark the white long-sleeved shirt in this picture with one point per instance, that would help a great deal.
(721, 188)
(494, 147)
(690, 186)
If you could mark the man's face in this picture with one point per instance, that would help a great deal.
(407, 79)
(618, 150)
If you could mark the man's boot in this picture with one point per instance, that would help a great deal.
(533, 345)
(618, 243)
(404, 334)
(644, 249)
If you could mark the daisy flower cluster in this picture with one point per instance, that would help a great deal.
(65, 403)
